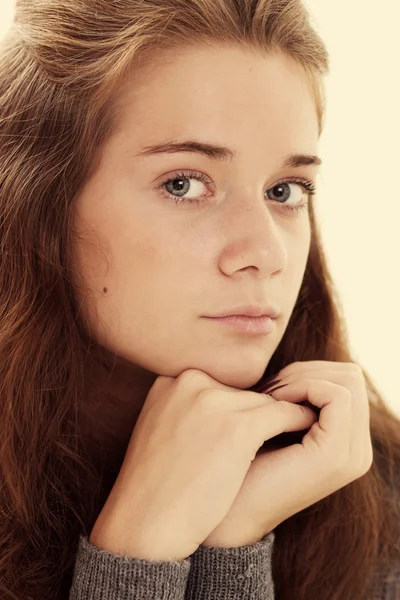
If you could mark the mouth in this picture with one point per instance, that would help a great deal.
(250, 310)
(248, 325)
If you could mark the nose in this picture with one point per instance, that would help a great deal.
(254, 240)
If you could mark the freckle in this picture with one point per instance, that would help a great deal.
(105, 290)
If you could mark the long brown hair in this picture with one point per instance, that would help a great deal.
(61, 66)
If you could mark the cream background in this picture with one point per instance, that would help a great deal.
(359, 196)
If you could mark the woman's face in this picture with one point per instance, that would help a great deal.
(156, 265)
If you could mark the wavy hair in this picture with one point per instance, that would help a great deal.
(62, 65)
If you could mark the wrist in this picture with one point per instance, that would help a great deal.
(137, 542)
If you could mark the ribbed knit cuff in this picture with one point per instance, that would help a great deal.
(227, 573)
(102, 575)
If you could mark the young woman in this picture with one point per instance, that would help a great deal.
(157, 173)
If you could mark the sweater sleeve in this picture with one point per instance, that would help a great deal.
(226, 573)
(102, 575)
(209, 573)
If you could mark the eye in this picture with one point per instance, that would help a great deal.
(281, 192)
(178, 187)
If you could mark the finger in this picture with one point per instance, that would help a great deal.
(360, 403)
(316, 366)
(238, 400)
(300, 367)
(335, 425)
(275, 418)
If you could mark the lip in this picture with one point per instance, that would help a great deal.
(249, 325)
(251, 310)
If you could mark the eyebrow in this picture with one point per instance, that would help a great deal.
(221, 153)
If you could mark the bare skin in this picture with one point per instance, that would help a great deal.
(171, 265)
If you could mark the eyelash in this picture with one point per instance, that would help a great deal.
(306, 184)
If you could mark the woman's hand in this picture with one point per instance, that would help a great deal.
(190, 450)
(336, 450)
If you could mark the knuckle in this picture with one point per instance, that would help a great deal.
(193, 377)
(209, 401)
(203, 399)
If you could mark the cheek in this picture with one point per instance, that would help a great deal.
(149, 275)
(296, 264)
(298, 255)
(150, 259)
(298, 246)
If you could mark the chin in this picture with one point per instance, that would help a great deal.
(242, 379)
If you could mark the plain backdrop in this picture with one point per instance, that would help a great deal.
(358, 200)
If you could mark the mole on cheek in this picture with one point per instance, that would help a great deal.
(105, 290)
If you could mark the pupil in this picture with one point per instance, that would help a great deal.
(180, 185)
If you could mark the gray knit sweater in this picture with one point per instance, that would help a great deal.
(207, 574)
